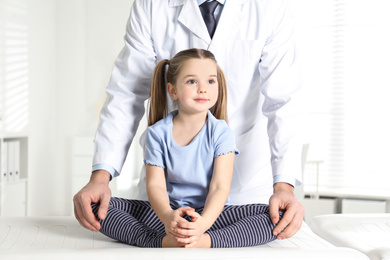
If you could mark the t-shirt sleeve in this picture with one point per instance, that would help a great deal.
(224, 140)
(154, 151)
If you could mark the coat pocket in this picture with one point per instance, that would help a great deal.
(243, 58)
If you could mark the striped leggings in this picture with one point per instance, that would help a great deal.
(135, 223)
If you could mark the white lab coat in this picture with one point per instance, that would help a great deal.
(254, 45)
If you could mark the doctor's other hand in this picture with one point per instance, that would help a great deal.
(96, 191)
(284, 199)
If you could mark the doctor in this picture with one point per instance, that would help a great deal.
(253, 43)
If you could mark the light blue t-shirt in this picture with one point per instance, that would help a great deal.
(188, 169)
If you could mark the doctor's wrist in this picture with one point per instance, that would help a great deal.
(283, 186)
(100, 176)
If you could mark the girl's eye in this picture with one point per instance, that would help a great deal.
(191, 81)
(211, 81)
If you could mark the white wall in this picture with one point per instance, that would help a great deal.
(72, 46)
(42, 106)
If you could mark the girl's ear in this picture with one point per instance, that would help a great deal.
(172, 91)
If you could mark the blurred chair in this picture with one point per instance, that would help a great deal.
(299, 191)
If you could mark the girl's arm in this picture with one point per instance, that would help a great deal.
(157, 190)
(219, 188)
(216, 199)
(159, 200)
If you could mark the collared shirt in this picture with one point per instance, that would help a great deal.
(218, 10)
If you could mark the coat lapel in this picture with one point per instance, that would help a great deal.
(230, 20)
(191, 18)
(228, 23)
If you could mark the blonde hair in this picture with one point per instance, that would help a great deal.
(158, 105)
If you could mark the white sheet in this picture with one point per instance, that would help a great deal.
(368, 233)
(63, 238)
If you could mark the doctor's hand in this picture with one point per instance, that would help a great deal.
(284, 198)
(96, 191)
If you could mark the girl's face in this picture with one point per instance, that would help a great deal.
(196, 87)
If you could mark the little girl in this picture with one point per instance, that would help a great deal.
(189, 157)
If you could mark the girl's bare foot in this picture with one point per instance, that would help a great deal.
(170, 242)
(204, 241)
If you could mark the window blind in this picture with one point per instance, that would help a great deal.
(13, 66)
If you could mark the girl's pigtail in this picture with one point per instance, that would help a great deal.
(219, 110)
(158, 106)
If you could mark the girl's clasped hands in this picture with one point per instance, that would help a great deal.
(183, 233)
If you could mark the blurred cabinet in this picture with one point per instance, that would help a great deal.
(14, 196)
(14, 176)
(322, 206)
(350, 206)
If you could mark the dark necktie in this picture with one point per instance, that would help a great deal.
(208, 16)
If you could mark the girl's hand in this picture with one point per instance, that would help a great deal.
(173, 220)
(191, 232)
